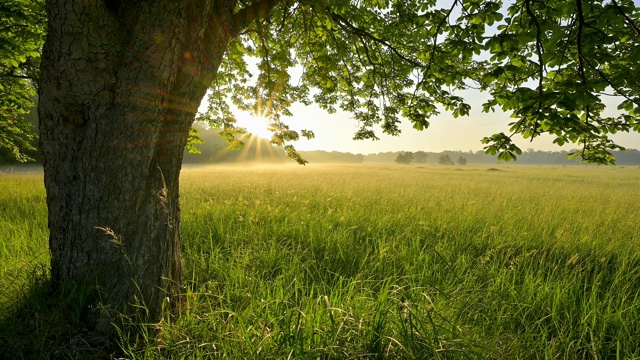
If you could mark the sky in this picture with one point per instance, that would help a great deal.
(334, 132)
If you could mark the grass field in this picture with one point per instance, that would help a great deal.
(367, 261)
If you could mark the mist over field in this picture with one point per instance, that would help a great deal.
(216, 150)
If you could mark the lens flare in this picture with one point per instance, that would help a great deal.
(256, 125)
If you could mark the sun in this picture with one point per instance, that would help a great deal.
(256, 125)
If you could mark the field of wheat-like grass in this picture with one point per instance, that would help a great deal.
(380, 261)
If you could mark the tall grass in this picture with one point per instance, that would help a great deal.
(23, 231)
(387, 262)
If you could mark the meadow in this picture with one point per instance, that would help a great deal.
(364, 261)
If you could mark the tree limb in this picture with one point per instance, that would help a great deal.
(358, 31)
(26, 77)
(257, 10)
(581, 57)
(434, 48)
(539, 48)
(626, 17)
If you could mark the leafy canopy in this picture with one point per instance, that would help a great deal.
(549, 64)
(22, 30)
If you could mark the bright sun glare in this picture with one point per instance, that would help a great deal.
(258, 126)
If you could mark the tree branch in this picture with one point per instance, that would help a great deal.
(26, 77)
(566, 44)
(257, 10)
(581, 57)
(435, 36)
(539, 48)
(360, 32)
(626, 17)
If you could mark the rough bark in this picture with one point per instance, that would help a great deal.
(119, 87)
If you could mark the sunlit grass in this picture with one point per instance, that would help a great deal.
(389, 262)
(23, 232)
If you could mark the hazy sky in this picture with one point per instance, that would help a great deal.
(334, 132)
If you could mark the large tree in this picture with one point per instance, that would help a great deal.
(121, 82)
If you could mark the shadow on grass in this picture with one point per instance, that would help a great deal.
(43, 323)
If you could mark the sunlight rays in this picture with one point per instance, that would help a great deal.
(256, 125)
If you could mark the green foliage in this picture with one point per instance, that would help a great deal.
(502, 145)
(371, 261)
(22, 30)
(462, 160)
(551, 66)
(192, 140)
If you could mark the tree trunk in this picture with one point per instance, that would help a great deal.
(120, 84)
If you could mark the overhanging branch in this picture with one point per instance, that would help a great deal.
(361, 32)
(26, 77)
(627, 18)
(257, 10)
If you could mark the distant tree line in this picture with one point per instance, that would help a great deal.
(215, 149)
(408, 157)
(404, 158)
(529, 157)
(319, 156)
